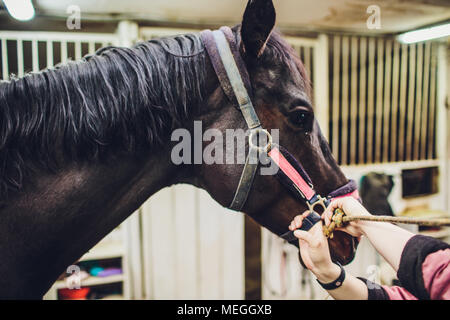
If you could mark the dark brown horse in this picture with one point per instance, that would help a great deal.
(83, 145)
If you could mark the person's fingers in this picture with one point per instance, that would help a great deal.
(306, 213)
(298, 221)
(329, 211)
(293, 223)
(305, 255)
(328, 215)
(291, 226)
(317, 229)
(307, 237)
(335, 204)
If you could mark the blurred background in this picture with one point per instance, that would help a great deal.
(381, 92)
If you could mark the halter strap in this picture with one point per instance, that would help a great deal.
(229, 74)
(234, 79)
(231, 80)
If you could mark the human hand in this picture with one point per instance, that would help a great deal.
(314, 249)
(351, 207)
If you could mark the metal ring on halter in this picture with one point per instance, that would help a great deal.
(318, 201)
(255, 132)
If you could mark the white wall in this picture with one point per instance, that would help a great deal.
(192, 247)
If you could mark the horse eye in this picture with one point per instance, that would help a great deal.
(299, 118)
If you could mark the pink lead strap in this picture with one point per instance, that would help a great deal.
(291, 173)
(306, 190)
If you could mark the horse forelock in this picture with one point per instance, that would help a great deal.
(279, 49)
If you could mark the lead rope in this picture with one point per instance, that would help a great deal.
(339, 219)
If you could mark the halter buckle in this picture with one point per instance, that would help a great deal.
(254, 135)
(318, 200)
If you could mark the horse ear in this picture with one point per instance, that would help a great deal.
(257, 24)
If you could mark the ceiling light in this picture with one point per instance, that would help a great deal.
(22, 10)
(425, 34)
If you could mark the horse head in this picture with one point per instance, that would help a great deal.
(281, 95)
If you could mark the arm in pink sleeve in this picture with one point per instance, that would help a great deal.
(378, 292)
(424, 272)
(436, 274)
(424, 268)
(398, 293)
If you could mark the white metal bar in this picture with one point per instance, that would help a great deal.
(91, 47)
(35, 55)
(50, 60)
(63, 51)
(20, 67)
(78, 53)
(148, 33)
(5, 67)
(57, 36)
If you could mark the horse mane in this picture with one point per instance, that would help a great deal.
(117, 100)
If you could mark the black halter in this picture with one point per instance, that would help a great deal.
(234, 79)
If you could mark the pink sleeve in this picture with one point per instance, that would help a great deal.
(398, 293)
(436, 274)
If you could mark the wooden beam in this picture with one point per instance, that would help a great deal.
(418, 103)
(336, 101)
(370, 99)
(353, 99)
(402, 106)
(395, 95)
(387, 99)
(344, 101)
(379, 99)
(362, 99)
(411, 95)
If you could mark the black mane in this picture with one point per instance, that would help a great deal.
(120, 99)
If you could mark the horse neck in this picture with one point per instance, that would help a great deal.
(52, 223)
